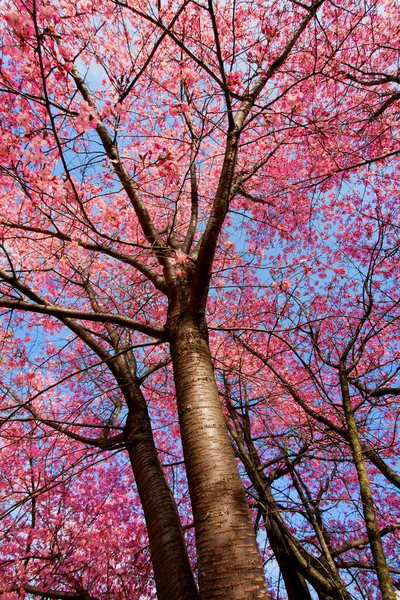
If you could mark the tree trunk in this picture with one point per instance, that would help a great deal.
(295, 584)
(172, 571)
(228, 557)
(382, 570)
(316, 571)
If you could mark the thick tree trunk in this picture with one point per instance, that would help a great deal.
(172, 571)
(382, 570)
(228, 557)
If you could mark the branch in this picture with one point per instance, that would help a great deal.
(126, 180)
(379, 392)
(31, 589)
(361, 542)
(205, 251)
(178, 42)
(391, 100)
(384, 78)
(361, 565)
(373, 456)
(102, 442)
(42, 306)
(66, 313)
(153, 51)
(163, 363)
(385, 391)
(274, 66)
(147, 271)
(221, 64)
(194, 194)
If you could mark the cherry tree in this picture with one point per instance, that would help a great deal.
(173, 189)
(333, 356)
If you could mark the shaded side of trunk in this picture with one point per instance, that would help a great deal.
(295, 584)
(316, 571)
(228, 556)
(172, 571)
(382, 570)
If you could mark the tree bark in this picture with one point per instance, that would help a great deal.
(172, 571)
(228, 558)
(316, 571)
(295, 584)
(382, 570)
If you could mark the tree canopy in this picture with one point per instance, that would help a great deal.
(199, 299)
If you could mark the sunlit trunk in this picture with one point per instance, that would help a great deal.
(228, 558)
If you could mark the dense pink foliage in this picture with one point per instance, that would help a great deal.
(306, 270)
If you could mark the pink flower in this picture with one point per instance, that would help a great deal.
(180, 257)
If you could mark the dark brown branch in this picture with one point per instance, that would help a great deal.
(66, 313)
(391, 100)
(32, 589)
(206, 248)
(139, 206)
(140, 266)
(171, 34)
(361, 565)
(152, 53)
